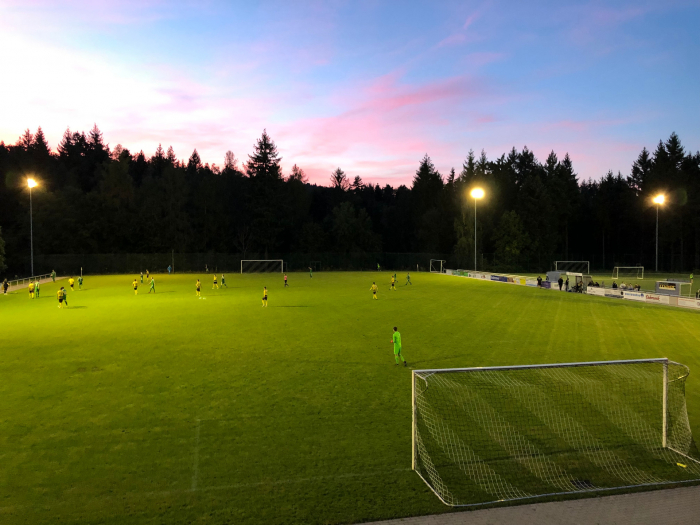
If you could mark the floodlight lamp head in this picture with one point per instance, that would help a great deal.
(31, 183)
(477, 193)
(659, 199)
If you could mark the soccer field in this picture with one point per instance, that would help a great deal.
(167, 408)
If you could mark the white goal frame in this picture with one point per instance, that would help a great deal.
(587, 263)
(616, 271)
(435, 262)
(425, 374)
(279, 261)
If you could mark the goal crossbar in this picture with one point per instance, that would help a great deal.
(484, 435)
(264, 265)
(437, 264)
(548, 365)
(639, 270)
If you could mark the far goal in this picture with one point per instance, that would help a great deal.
(507, 433)
(437, 265)
(262, 265)
(573, 266)
(630, 272)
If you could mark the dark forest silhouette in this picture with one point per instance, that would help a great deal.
(93, 199)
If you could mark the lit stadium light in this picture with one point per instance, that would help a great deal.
(31, 183)
(477, 193)
(659, 199)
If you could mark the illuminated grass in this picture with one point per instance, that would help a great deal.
(167, 408)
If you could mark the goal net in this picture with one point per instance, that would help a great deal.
(262, 265)
(485, 435)
(630, 272)
(436, 265)
(572, 266)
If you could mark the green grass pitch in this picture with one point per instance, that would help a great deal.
(171, 409)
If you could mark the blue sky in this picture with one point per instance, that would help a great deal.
(367, 86)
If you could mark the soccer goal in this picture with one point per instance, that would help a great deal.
(630, 272)
(485, 435)
(573, 266)
(262, 265)
(437, 265)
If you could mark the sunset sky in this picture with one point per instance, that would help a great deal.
(366, 86)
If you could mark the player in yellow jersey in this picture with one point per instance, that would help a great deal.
(59, 295)
(71, 281)
(31, 290)
(135, 284)
(373, 289)
(393, 283)
(199, 289)
(216, 283)
(264, 299)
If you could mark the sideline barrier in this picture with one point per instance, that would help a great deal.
(630, 295)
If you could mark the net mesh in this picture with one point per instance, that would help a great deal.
(262, 266)
(436, 265)
(572, 266)
(491, 435)
(635, 272)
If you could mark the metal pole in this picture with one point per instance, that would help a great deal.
(474, 233)
(413, 421)
(664, 422)
(31, 230)
(657, 238)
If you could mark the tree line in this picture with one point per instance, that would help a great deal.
(94, 199)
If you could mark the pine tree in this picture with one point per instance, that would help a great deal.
(194, 164)
(264, 163)
(66, 145)
(40, 146)
(641, 168)
(171, 158)
(339, 180)
(25, 140)
(298, 174)
(230, 162)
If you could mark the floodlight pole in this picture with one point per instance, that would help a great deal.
(31, 230)
(474, 233)
(657, 239)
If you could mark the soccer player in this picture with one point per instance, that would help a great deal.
(60, 297)
(169, 269)
(135, 284)
(378, 268)
(147, 274)
(31, 290)
(53, 275)
(153, 284)
(199, 289)
(285, 281)
(311, 272)
(71, 281)
(216, 283)
(396, 339)
(141, 278)
(223, 281)
(408, 279)
(393, 283)
(65, 296)
(264, 299)
(36, 289)
(373, 289)
(80, 282)
(5, 286)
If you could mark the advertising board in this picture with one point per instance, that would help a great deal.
(688, 303)
(634, 296)
(656, 298)
(592, 290)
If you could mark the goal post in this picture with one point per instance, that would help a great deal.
(632, 272)
(437, 265)
(573, 266)
(493, 434)
(262, 265)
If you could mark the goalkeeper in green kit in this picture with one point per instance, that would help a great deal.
(396, 339)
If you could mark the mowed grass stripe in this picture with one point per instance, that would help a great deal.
(101, 400)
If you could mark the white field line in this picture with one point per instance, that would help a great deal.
(195, 472)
